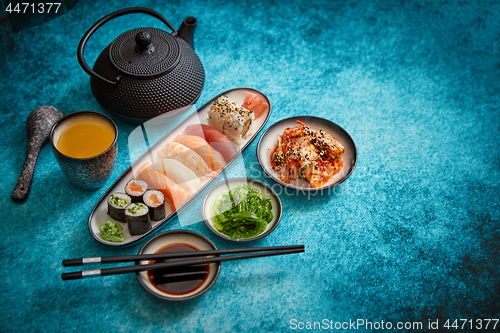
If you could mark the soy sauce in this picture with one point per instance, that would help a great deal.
(178, 280)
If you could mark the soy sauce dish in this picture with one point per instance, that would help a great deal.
(241, 209)
(182, 283)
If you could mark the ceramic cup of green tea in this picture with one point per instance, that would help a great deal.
(85, 146)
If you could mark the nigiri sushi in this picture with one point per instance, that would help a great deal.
(255, 103)
(216, 139)
(233, 121)
(211, 156)
(158, 181)
(187, 157)
(179, 173)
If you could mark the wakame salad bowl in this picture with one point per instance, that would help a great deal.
(241, 209)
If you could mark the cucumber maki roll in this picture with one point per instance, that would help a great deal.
(155, 201)
(135, 188)
(138, 220)
(116, 206)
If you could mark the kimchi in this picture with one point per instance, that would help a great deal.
(306, 153)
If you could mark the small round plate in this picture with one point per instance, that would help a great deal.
(225, 186)
(188, 237)
(267, 143)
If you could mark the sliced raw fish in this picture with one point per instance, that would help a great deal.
(211, 156)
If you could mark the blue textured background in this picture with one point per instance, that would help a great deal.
(412, 235)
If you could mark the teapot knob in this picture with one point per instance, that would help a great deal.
(143, 41)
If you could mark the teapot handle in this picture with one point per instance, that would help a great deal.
(105, 19)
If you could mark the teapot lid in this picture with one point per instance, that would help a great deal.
(145, 52)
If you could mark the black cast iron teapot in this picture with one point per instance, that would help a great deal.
(145, 72)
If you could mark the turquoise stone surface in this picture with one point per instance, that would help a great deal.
(413, 236)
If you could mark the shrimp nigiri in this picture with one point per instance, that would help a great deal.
(158, 181)
(187, 157)
(212, 157)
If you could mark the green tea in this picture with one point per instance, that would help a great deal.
(85, 139)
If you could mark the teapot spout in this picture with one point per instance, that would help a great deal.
(186, 31)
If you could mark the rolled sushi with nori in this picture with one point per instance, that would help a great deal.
(138, 220)
(135, 188)
(155, 200)
(116, 206)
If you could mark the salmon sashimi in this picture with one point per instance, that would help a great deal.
(212, 157)
(137, 172)
(187, 157)
(215, 138)
(255, 103)
(158, 181)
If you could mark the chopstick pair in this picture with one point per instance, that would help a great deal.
(240, 254)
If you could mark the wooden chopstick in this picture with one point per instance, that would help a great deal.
(155, 256)
(163, 265)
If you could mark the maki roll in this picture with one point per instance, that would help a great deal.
(233, 121)
(138, 220)
(155, 201)
(135, 188)
(116, 205)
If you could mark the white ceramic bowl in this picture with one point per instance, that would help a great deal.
(190, 238)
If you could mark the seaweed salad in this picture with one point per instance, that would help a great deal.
(242, 212)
